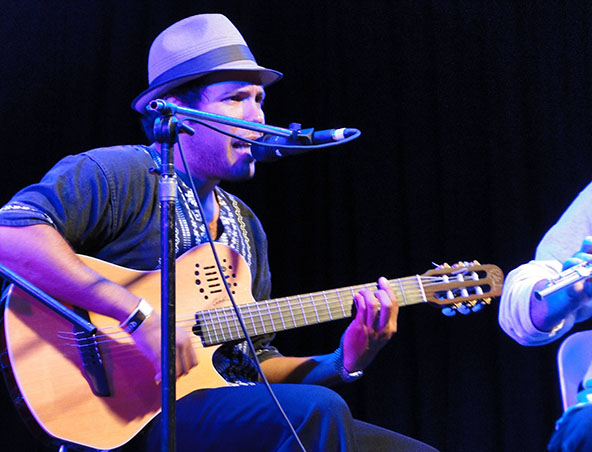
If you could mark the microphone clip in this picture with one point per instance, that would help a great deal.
(299, 135)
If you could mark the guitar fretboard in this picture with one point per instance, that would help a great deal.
(220, 325)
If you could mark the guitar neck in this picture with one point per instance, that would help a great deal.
(221, 325)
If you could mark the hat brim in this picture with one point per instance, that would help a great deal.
(258, 75)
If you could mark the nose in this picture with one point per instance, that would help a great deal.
(255, 112)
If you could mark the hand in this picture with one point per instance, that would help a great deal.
(577, 298)
(147, 339)
(573, 431)
(374, 324)
(582, 290)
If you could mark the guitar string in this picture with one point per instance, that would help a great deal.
(302, 309)
(220, 320)
(271, 306)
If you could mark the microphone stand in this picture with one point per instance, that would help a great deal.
(166, 130)
(48, 301)
(163, 107)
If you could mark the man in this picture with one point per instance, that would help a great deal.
(533, 321)
(104, 203)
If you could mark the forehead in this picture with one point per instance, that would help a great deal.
(221, 88)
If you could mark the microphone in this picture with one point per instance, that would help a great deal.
(299, 142)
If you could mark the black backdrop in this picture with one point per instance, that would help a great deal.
(475, 119)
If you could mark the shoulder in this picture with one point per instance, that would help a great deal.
(106, 160)
(120, 157)
(566, 235)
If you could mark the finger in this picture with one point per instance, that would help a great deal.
(372, 307)
(386, 309)
(193, 360)
(180, 368)
(184, 359)
(573, 261)
(360, 308)
(587, 245)
(384, 284)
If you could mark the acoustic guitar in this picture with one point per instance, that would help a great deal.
(99, 390)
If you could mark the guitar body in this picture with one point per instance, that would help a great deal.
(47, 367)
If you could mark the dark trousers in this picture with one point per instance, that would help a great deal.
(245, 418)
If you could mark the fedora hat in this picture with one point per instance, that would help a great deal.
(197, 46)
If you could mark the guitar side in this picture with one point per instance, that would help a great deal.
(46, 364)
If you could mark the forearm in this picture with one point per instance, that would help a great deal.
(528, 320)
(40, 255)
(319, 370)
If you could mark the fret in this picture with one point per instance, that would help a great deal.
(213, 327)
(304, 318)
(403, 294)
(341, 305)
(420, 287)
(220, 323)
(327, 304)
(251, 319)
(314, 307)
(280, 315)
(259, 311)
(291, 314)
(230, 320)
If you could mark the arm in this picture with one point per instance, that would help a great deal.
(373, 326)
(534, 322)
(531, 321)
(39, 254)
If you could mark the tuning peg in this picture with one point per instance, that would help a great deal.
(449, 311)
(463, 309)
(476, 307)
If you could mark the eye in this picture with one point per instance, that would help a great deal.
(234, 98)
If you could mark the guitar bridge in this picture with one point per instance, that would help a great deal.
(92, 361)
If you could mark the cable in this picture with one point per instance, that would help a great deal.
(229, 292)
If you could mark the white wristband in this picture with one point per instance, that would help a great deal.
(137, 317)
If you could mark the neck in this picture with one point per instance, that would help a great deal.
(205, 188)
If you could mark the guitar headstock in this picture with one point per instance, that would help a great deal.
(464, 287)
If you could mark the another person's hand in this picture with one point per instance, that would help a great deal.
(573, 431)
(577, 298)
(374, 324)
(583, 290)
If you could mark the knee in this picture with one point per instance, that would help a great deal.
(324, 402)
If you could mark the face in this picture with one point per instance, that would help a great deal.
(213, 156)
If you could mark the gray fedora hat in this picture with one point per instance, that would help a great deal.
(197, 46)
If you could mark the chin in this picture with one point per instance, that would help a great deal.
(242, 174)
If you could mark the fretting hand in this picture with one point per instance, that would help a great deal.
(374, 324)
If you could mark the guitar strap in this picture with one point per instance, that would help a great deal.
(190, 228)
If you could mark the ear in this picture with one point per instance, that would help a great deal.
(174, 100)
